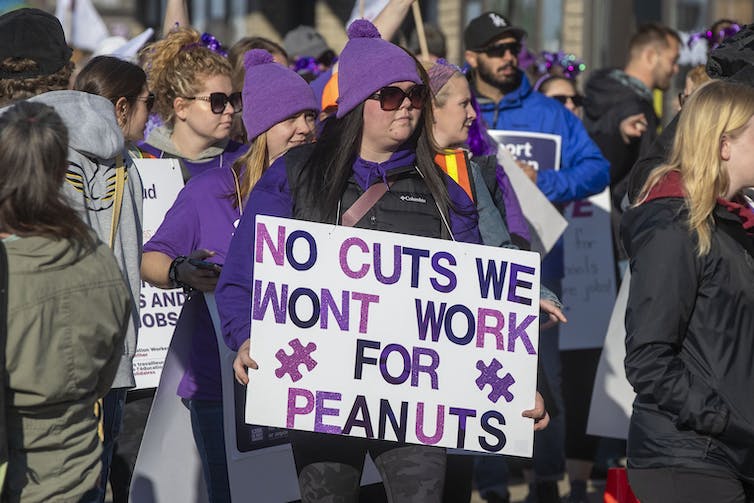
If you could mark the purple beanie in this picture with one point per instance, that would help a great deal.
(369, 63)
(271, 93)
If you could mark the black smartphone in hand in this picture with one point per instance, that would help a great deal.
(203, 264)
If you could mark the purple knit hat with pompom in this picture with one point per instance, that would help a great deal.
(369, 63)
(271, 93)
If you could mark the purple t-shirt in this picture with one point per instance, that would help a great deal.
(203, 216)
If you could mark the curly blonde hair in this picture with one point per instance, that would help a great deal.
(714, 110)
(177, 65)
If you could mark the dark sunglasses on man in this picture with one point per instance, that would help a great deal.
(577, 99)
(217, 101)
(499, 50)
(391, 97)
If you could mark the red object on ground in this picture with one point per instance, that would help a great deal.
(617, 489)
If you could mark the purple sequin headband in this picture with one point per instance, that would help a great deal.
(714, 39)
(308, 64)
(569, 63)
(207, 41)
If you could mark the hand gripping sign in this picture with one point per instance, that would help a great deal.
(388, 336)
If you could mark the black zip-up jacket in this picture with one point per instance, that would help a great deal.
(611, 96)
(690, 341)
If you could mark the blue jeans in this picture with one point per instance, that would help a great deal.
(112, 422)
(209, 435)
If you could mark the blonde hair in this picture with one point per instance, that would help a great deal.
(251, 165)
(177, 65)
(714, 110)
(697, 76)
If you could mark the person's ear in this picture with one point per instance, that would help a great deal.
(725, 148)
(122, 108)
(471, 58)
(180, 107)
(652, 55)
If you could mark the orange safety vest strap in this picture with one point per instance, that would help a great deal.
(455, 164)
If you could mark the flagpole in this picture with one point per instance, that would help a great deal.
(420, 31)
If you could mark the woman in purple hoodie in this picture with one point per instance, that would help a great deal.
(279, 111)
(381, 135)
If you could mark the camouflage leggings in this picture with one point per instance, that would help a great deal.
(329, 468)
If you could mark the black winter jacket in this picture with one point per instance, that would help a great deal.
(690, 341)
(610, 98)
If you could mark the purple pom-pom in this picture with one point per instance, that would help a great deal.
(257, 57)
(363, 28)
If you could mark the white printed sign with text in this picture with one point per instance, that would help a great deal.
(158, 309)
(589, 282)
(389, 336)
(589, 275)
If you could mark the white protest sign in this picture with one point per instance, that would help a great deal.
(538, 150)
(546, 224)
(589, 275)
(168, 466)
(589, 281)
(395, 337)
(613, 396)
(545, 221)
(158, 309)
(371, 9)
(259, 458)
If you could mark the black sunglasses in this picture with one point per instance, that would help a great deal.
(577, 99)
(217, 101)
(499, 50)
(391, 97)
(148, 101)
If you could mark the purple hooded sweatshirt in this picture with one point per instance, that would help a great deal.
(203, 216)
(272, 196)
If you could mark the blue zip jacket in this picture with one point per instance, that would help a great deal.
(583, 172)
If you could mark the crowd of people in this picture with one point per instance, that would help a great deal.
(298, 131)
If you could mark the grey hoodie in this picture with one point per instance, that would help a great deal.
(94, 143)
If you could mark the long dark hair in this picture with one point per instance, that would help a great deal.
(111, 78)
(326, 173)
(33, 163)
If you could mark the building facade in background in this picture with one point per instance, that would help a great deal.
(595, 30)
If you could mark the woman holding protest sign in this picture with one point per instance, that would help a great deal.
(279, 113)
(689, 319)
(380, 139)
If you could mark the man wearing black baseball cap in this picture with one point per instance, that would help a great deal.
(488, 38)
(508, 102)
